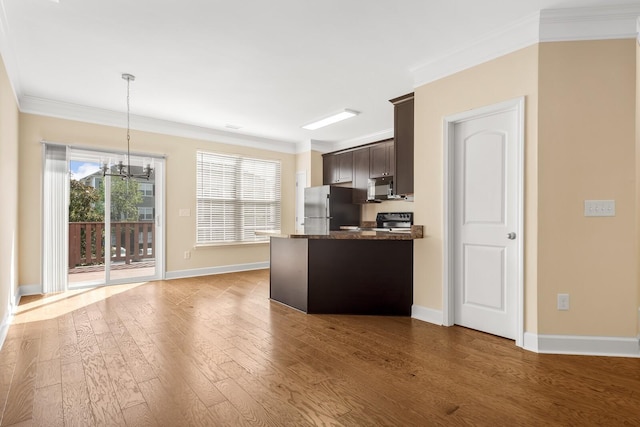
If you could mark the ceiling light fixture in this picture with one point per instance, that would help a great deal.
(342, 115)
(122, 170)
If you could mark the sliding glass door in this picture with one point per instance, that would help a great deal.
(114, 230)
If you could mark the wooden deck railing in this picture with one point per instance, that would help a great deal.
(129, 241)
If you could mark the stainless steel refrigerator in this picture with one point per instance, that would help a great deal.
(327, 208)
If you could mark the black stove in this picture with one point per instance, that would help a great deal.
(398, 221)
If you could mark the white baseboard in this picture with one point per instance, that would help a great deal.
(582, 345)
(181, 274)
(4, 327)
(530, 342)
(8, 318)
(426, 314)
(28, 290)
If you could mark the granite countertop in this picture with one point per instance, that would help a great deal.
(359, 234)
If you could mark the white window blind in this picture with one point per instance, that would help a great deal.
(236, 196)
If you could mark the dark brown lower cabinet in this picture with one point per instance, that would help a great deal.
(338, 276)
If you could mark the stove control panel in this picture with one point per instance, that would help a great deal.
(394, 219)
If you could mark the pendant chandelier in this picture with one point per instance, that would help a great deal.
(122, 170)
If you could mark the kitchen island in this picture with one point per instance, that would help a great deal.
(344, 272)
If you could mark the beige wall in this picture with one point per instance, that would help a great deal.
(9, 196)
(303, 164)
(370, 210)
(579, 144)
(316, 169)
(310, 162)
(637, 108)
(180, 190)
(505, 78)
(587, 151)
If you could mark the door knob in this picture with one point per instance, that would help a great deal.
(511, 236)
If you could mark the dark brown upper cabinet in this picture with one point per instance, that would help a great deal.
(381, 160)
(403, 137)
(328, 169)
(337, 168)
(360, 174)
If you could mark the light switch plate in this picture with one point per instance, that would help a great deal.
(599, 208)
(184, 212)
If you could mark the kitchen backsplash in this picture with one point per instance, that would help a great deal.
(370, 210)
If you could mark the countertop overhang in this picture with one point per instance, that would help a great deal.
(363, 234)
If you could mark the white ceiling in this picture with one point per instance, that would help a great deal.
(266, 66)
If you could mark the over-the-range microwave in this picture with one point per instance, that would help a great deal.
(380, 189)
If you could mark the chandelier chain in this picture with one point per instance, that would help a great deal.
(128, 127)
(128, 113)
(125, 171)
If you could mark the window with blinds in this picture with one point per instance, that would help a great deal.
(236, 196)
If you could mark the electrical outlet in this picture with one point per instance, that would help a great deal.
(563, 302)
(187, 255)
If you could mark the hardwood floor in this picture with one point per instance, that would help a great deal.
(214, 351)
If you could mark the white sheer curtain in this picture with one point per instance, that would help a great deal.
(55, 242)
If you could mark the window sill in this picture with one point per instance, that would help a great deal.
(211, 245)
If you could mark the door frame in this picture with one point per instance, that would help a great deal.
(448, 288)
(159, 167)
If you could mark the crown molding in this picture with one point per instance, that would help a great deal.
(69, 111)
(330, 146)
(99, 116)
(323, 146)
(515, 36)
(313, 145)
(63, 110)
(592, 23)
(304, 146)
(365, 139)
(549, 25)
(595, 23)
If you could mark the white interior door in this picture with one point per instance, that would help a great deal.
(486, 222)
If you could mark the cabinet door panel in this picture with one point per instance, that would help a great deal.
(360, 175)
(403, 131)
(345, 166)
(328, 169)
(337, 168)
(378, 161)
(391, 162)
(381, 160)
